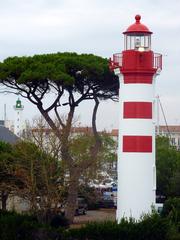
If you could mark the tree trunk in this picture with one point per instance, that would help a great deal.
(4, 197)
(72, 195)
(98, 142)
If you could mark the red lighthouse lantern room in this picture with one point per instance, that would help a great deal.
(137, 49)
(137, 36)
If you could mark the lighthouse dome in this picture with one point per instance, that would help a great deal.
(137, 27)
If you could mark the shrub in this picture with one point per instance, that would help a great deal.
(14, 226)
(171, 209)
(151, 227)
(59, 221)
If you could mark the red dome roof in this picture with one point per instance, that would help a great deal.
(137, 27)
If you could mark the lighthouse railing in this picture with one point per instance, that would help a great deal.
(117, 60)
(157, 61)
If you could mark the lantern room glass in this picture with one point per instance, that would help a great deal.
(137, 41)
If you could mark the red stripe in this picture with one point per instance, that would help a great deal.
(138, 78)
(138, 110)
(137, 143)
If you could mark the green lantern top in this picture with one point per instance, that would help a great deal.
(18, 103)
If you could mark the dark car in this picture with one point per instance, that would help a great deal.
(81, 206)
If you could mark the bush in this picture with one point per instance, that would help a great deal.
(171, 209)
(14, 226)
(59, 221)
(23, 227)
(151, 227)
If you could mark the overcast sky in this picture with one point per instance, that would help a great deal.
(29, 27)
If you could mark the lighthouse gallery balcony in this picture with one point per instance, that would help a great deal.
(117, 61)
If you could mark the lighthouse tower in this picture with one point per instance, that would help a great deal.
(137, 67)
(18, 117)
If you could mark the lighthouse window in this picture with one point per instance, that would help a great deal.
(137, 41)
(146, 44)
(128, 42)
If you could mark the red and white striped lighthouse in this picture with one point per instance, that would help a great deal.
(137, 67)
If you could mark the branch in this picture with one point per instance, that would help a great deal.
(84, 95)
(58, 117)
(54, 104)
(51, 123)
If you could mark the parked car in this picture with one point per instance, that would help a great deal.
(81, 206)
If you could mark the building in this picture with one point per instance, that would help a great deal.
(7, 136)
(172, 132)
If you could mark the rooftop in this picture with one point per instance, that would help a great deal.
(7, 136)
(137, 27)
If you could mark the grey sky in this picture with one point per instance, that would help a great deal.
(30, 27)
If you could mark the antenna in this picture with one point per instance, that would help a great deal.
(164, 116)
(157, 105)
(5, 117)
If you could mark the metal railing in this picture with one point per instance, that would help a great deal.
(157, 64)
(118, 57)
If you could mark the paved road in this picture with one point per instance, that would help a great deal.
(96, 215)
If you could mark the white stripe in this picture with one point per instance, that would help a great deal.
(136, 92)
(136, 127)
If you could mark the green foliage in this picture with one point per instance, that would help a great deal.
(5, 147)
(14, 226)
(71, 78)
(66, 69)
(91, 167)
(150, 228)
(5, 155)
(167, 162)
(23, 227)
(175, 180)
(41, 173)
(171, 209)
(9, 180)
(59, 221)
(153, 227)
(91, 196)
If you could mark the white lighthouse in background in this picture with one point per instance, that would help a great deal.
(18, 122)
(137, 67)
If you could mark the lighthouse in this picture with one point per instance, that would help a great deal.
(18, 118)
(137, 68)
